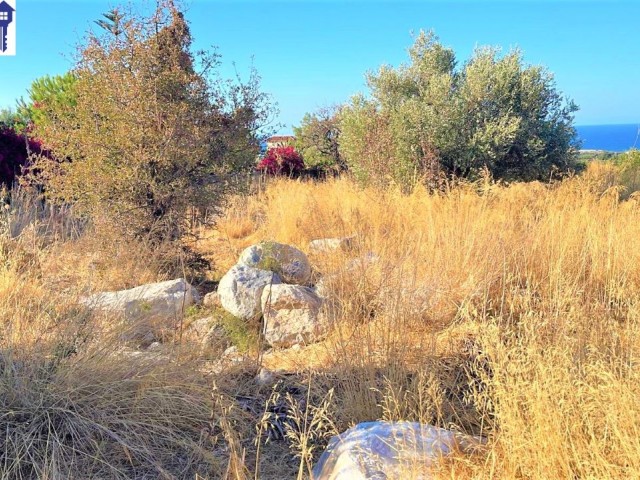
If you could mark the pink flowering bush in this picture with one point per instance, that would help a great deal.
(282, 161)
(15, 150)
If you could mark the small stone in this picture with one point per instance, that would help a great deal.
(201, 326)
(328, 245)
(143, 334)
(215, 336)
(265, 377)
(232, 350)
(212, 299)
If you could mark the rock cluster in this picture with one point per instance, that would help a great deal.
(270, 280)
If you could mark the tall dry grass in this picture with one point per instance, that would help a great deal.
(506, 311)
(509, 312)
(75, 401)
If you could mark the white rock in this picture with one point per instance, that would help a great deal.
(291, 315)
(241, 290)
(324, 286)
(201, 326)
(163, 300)
(290, 263)
(327, 245)
(232, 350)
(380, 450)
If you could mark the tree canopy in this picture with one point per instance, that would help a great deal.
(317, 138)
(153, 130)
(431, 117)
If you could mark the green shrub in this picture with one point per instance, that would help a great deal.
(629, 176)
(242, 333)
(318, 137)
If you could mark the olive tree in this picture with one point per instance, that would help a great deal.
(431, 117)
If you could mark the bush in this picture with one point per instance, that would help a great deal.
(628, 164)
(317, 139)
(282, 161)
(15, 151)
(430, 119)
(154, 133)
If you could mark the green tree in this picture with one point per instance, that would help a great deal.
(430, 119)
(10, 118)
(318, 138)
(149, 136)
(47, 95)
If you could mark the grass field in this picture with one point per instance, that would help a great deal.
(510, 312)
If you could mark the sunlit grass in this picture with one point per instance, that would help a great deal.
(509, 312)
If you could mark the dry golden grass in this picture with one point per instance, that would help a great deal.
(510, 312)
(520, 302)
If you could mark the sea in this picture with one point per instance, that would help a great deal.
(612, 138)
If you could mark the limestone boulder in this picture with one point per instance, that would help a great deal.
(160, 301)
(290, 263)
(292, 315)
(240, 290)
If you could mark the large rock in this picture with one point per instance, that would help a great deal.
(241, 289)
(163, 300)
(290, 263)
(291, 315)
(380, 450)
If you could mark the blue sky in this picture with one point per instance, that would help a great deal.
(315, 53)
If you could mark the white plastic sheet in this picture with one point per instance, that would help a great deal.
(384, 451)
